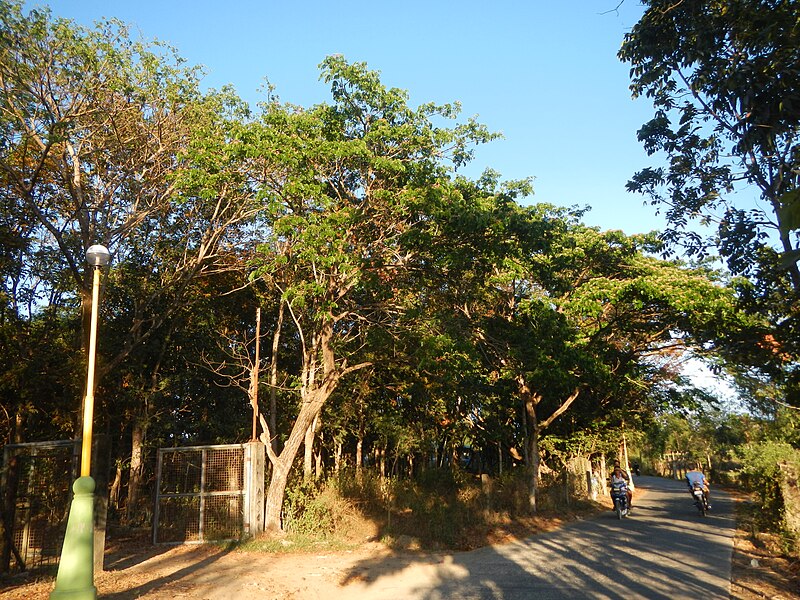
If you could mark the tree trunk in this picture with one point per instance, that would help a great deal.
(254, 377)
(318, 465)
(337, 461)
(18, 430)
(115, 487)
(135, 473)
(281, 464)
(533, 487)
(361, 434)
(603, 474)
(626, 462)
(139, 434)
(314, 394)
(277, 486)
(359, 458)
(308, 455)
(529, 402)
(273, 380)
(500, 457)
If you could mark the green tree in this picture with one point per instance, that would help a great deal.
(723, 81)
(722, 77)
(352, 177)
(571, 318)
(109, 140)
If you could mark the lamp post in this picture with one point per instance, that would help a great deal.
(75, 579)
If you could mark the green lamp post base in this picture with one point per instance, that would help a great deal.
(75, 579)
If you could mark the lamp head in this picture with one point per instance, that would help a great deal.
(98, 256)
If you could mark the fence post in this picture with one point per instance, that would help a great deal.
(203, 468)
(157, 495)
(255, 459)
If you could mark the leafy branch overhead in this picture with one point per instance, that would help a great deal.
(723, 80)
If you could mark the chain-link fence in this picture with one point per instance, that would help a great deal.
(36, 484)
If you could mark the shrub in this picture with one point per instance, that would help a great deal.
(765, 470)
(313, 508)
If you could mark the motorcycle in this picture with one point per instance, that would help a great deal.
(700, 499)
(619, 495)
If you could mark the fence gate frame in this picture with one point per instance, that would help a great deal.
(250, 491)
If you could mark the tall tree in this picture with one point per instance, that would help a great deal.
(109, 140)
(571, 318)
(352, 178)
(723, 79)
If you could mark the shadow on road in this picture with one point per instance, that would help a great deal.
(128, 549)
(175, 576)
(664, 550)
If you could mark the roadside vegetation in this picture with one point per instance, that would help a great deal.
(442, 511)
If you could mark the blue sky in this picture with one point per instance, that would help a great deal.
(544, 73)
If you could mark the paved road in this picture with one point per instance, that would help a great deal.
(664, 550)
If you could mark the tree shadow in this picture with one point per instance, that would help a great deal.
(128, 548)
(154, 584)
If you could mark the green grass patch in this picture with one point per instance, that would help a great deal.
(294, 543)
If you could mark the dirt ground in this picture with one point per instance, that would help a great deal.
(760, 569)
(136, 569)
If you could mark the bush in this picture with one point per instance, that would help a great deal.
(438, 509)
(304, 511)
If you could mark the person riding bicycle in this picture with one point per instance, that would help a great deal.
(697, 478)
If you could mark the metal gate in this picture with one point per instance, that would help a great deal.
(36, 483)
(202, 493)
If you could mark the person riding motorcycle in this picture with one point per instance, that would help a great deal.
(620, 477)
(697, 477)
(627, 478)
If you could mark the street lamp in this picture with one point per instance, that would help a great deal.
(75, 579)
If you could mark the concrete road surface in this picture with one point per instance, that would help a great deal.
(664, 550)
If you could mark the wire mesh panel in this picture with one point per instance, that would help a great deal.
(200, 494)
(181, 471)
(222, 517)
(224, 469)
(178, 519)
(36, 481)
